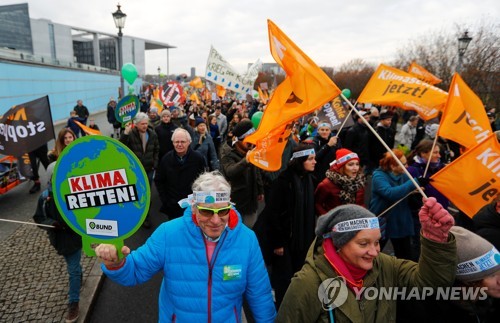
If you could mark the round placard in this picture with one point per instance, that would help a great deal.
(127, 108)
(101, 190)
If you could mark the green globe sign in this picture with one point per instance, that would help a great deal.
(101, 190)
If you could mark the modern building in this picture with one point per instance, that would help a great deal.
(44, 55)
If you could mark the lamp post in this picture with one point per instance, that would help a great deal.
(119, 18)
(159, 75)
(463, 43)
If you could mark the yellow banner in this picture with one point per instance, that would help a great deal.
(305, 88)
(391, 86)
(464, 118)
(87, 130)
(194, 97)
(472, 180)
(423, 74)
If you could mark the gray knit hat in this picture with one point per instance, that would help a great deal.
(344, 222)
(477, 258)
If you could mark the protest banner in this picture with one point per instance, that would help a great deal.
(25, 127)
(127, 108)
(101, 190)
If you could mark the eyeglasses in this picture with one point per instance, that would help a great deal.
(180, 142)
(209, 212)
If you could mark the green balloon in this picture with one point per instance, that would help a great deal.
(129, 72)
(346, 93)
(256, 117)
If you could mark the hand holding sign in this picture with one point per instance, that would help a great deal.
(101, 190)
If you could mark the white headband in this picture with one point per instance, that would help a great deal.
(325, 124)
(303, 153)
(246, 134)
(482, 263)
(205, 197)
(345, 159)
(356, 225)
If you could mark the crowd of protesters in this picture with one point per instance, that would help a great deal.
(329, 180)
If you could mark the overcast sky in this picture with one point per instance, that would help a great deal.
(331, 32)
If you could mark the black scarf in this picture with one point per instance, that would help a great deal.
(303, 222)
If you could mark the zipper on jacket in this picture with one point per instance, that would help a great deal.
(211, 265)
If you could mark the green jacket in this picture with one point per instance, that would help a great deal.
(301, 303)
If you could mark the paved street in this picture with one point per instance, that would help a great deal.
(33, 277)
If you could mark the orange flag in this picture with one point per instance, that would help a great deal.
(390, 86)
(305, 88)
(471, 181)
(155, 101)
(262, 96)
(194, 97)
(423, 74)
(196, 83)
(87, 130)
(464, 118)
(221, 91)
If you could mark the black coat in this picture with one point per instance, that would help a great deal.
(148, 157)
(63, 238)
(487, 224)
(174, 179)
(357, 139)
(164, 132)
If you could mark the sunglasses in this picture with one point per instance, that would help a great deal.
(209, 212)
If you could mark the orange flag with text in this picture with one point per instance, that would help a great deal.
(305, 88)
(423, 74)
(391, 86)
(87, 130)
(464, 117)
(471, 181)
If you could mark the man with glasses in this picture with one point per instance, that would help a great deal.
(176, 172)
(209, 259)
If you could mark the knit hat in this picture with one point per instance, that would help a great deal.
(243, 129)
(385, 115)
(198, 120)
(343, 156)
(477, 257)
(344, 222)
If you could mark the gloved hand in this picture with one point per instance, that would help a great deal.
(423, 181)
(436, 221)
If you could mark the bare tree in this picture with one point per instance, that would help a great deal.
(438, 53)
(353, 75)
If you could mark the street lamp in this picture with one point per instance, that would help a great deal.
(119, 18)
(463, 43)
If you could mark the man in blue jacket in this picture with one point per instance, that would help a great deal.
(209, 259)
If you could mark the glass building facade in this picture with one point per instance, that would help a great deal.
(15, 28)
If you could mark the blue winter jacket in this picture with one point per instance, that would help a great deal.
(388, 188)
(193, 290)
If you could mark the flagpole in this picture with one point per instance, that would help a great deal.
(385, 145)
(30, 223)
(430, 155)
(395, 203)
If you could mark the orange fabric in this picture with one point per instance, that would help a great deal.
(423, 74)
(268, 151)
(471, 181)
(391, 86)
(221, 91)
(305, 88)
(194, 97)
(464, 118)
(196, 83)
(87, 130)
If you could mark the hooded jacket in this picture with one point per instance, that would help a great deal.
(487, 224)
(436, 267)
(194, 290)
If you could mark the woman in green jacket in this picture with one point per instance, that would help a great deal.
(347, 279)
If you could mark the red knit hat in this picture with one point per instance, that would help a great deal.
(343, 156)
